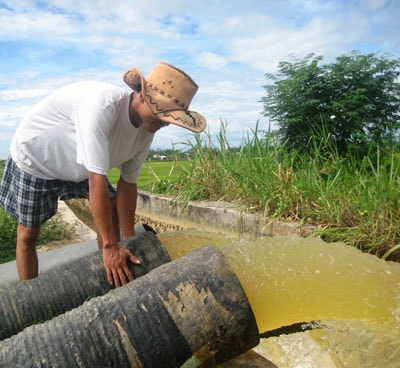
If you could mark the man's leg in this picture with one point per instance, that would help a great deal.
(27, 260)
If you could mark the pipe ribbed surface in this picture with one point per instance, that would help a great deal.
(70, 285)
(192, 305)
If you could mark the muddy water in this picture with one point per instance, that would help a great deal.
(355, 297)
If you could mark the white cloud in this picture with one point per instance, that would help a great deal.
(276, 42)
(211, 60)
(16, 94)
(27, 25)
(374, 5)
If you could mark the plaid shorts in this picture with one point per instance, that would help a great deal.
(31, 200)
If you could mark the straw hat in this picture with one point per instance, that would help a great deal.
(168, 91)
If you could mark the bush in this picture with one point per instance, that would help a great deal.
(8, 236)
(53, 229)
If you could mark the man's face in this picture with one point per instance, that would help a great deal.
(150, 121)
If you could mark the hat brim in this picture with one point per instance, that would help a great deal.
(187, 119)
(161, 107)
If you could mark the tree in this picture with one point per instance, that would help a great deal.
(355, 100)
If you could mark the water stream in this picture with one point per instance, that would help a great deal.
(352, 298)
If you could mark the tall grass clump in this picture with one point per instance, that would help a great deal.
(258, 176)
(345, 198)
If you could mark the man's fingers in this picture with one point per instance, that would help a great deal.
(131, 257)
(109, 276)
(128, 274)
(134, 260)
(119, 277)
(122, 276)
(116, 277)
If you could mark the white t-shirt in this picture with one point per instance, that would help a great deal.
(81, 127)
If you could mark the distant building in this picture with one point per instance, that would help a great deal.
(156, 156)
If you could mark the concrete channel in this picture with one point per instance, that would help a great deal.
(217, 216)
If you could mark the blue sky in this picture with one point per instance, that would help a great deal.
(226, 46)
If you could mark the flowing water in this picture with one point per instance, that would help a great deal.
(352, 298)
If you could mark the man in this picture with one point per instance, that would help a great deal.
(66, 144)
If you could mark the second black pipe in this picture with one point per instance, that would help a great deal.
(68, 286)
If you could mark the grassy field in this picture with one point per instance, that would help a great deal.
(153, 172)
(154, 175)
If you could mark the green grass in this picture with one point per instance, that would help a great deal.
(155, 176)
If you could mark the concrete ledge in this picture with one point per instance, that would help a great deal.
(219, 216)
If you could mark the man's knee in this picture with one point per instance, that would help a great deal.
(27, 235)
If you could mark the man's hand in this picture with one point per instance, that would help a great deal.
(115, 260)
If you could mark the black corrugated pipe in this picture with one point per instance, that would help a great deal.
(189, 311)
(70, 285)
